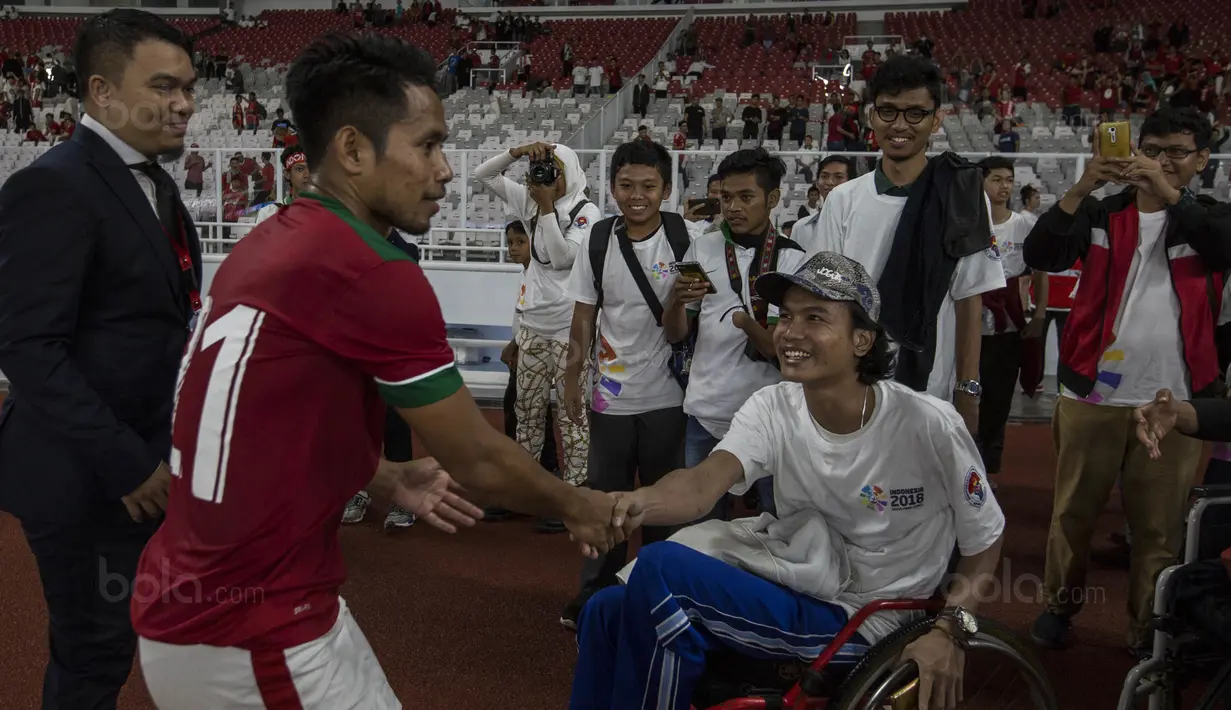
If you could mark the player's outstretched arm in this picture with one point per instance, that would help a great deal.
(680, 497)
(498, 470)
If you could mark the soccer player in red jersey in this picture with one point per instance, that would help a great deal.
(312, 324)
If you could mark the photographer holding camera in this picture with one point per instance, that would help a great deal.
(556, 214)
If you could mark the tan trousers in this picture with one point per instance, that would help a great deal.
(540, 371)
(1095, 445)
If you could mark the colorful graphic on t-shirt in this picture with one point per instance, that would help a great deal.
(661, 270)
(1108, 378)
(874, 498)
(606, 389)
(521, 298)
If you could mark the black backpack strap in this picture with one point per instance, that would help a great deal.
(534, 225)
(638, 273)
(677, 234)
(599, 240)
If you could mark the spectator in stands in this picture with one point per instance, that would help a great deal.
(813, 206)
(719, 120)
(862, 219)
(834, 170)
(798, 121)
(839, 133)
(1071, 98)
(694, 117)
(751, 117)
(558, 217)
(643, 133)
(237, 114)
(1163, 332)
(195, 167)
(595, 72)
(1032, 199)
(566, 60)
(22, 111)
(34, 136)
(734, 353)
(680, 142)
(806, 163)
(581, 75)
(637, 420)
(1005, 323)
(641, 96)
(1007, 139)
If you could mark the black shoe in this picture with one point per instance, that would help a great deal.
(1051, 630)
(572, 610)
(494, 514)
(549, 526)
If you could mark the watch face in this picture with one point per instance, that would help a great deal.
(967, 621)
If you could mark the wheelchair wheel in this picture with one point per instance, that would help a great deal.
(880, 673)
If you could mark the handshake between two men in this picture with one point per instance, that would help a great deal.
(596, 520)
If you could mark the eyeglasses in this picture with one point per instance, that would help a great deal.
(1174, 152)
(913, 115)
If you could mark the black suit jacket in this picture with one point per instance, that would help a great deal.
(641, 95)
(93, 325)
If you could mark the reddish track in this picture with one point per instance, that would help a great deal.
(468, 622)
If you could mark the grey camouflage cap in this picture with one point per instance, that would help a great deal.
(829, 275)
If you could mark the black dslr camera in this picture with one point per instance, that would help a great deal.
(543, 172)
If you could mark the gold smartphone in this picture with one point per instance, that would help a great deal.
(694, 269)
(907, 698)
(1115, 139)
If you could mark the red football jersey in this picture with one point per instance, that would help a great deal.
(312, 324)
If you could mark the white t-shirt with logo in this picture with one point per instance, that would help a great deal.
(900, 491)
(1147, 352)
(722, 376)
(596, 75)
(860, 223)
(1008, 239)
(579, 75)
(633, 377)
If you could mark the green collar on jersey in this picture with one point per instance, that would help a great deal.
(379, 244)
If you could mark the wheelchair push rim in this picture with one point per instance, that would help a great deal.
(881, 673)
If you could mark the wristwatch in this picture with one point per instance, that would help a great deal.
(1187, 198)
(963, 626)
(970, 387)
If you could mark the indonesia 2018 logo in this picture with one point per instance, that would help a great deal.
(874, 498)
(975, 489)
(993, 252)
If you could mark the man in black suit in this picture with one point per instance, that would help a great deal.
(641, 96)
(99, 266)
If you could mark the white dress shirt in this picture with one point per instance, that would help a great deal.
(128, 154)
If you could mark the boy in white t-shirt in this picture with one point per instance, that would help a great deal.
(580, 74)
(636, 414)
(860, 220)
(596, 77)
(864, 468)
(1006, 321)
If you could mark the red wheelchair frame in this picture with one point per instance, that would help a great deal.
(796, 698)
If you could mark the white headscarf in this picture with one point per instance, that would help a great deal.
(574, 179)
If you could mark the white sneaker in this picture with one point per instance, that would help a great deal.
(399, 518)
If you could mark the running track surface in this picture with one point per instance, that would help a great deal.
(469, 621)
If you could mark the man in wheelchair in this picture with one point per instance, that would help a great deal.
(874, 486)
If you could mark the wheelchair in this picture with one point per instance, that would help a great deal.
(734, 682)
(1184, 649)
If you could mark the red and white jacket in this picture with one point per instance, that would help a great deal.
(1103, 234)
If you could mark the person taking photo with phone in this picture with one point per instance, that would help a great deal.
(734, 354)
(1143, 320)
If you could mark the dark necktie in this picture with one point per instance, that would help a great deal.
(165, 198)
